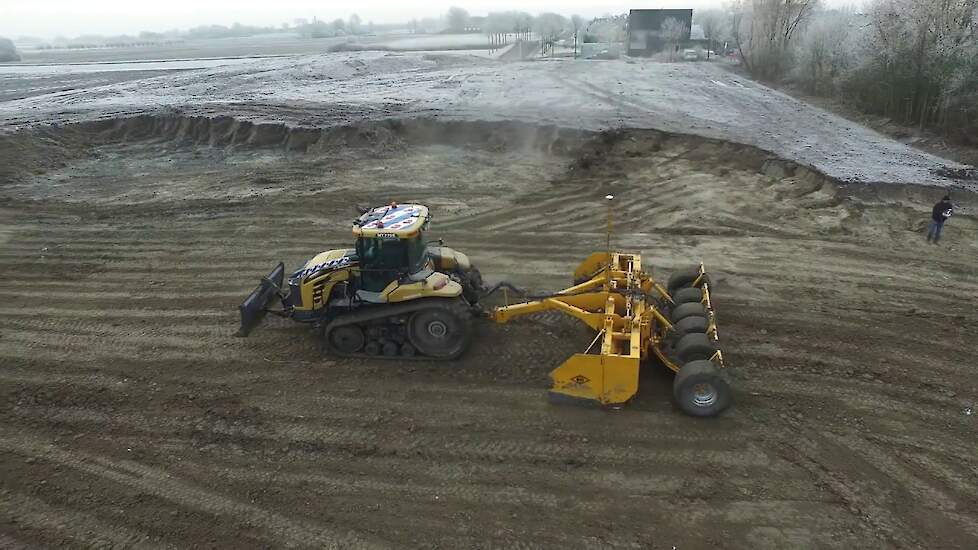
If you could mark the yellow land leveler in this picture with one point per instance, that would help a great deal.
(397, 295)
(626, 307)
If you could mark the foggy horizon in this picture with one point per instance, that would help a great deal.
(48, 19)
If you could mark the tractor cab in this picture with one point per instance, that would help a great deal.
(390, 246)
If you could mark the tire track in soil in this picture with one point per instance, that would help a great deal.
(877, 497)
(305, 448)
(84, 529)
(171, 487)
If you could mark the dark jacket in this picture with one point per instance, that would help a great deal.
(942, 211)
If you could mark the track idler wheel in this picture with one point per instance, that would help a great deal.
(347, 339)
(701, 390)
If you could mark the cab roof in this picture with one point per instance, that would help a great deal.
(403, 221)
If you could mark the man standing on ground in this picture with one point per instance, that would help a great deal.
(942, 211)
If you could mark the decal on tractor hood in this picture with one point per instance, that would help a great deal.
(329, 264)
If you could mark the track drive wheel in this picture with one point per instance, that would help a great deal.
(700, 389)
(347, 339)
(440, 330)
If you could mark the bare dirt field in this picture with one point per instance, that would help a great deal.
(130, 416)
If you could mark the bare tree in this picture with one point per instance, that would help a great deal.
(763, 31)
(458, 19)
(577, 23)
(674, 33)
(549, 27)
(715, 24)
(610, 28)
(920, 63)
(524, 25)
(353, 26)
(8, 52)
(825, 50)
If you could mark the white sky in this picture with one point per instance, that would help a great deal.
(48, 18)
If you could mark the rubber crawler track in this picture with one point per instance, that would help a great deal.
(457, 307)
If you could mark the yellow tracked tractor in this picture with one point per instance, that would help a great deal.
(395, 295)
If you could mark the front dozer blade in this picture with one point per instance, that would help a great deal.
(597, 380)
(255, 306)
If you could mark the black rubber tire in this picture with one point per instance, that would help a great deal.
(407, 350)
(695, 347)
(683, 311)
(440, 331)
(683, 278)
(687, 295)
(700, 389)
(347, 339)
(372, 348)
(693, 324)
(390, 348)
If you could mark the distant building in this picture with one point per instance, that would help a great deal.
(475, 24)
(645, 29)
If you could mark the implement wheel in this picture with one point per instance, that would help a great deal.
(440, 331)
(701, 390)
(691, 309)
(687, 295)
(695, 347)
(347, 339)
(691, 325)
(684, 278)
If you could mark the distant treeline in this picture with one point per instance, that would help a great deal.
(301, 27)
(912, 61)
(7, 51)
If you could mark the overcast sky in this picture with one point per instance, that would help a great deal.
(48, 18)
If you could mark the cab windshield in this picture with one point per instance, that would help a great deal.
(391, 253)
